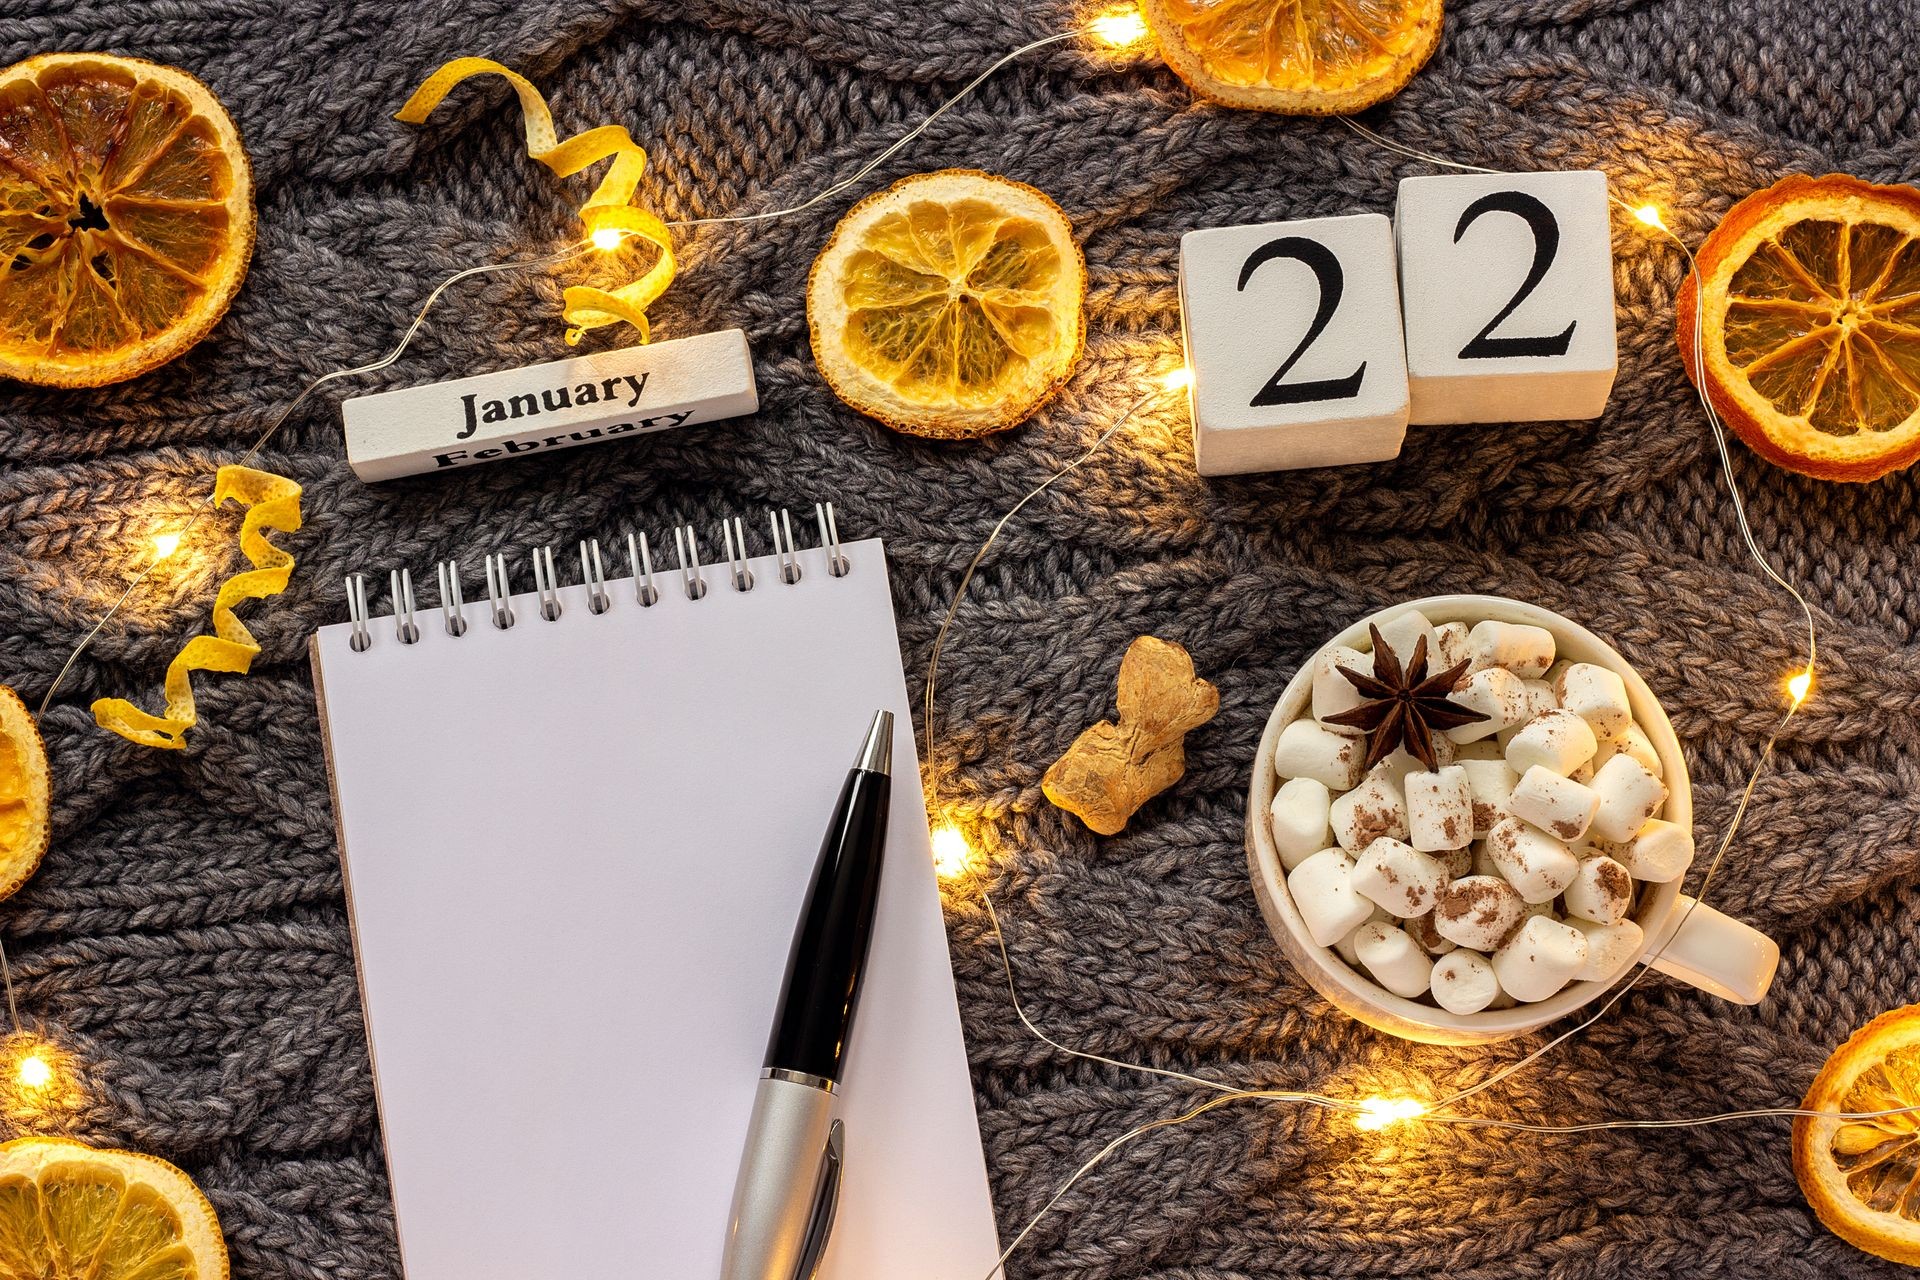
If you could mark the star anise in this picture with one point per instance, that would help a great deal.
(1404, 704)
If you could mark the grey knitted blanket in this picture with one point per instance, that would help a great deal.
(187, 938)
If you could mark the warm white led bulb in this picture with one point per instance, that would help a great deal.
(1178, 379)
(34, 1072)
(1650, 215)
(1378, 1112)
(164, 545)
(607, 238)
(1800, 686)
(1119, 28)
(951, 852)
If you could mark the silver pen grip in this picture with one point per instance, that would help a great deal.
(778, 1196)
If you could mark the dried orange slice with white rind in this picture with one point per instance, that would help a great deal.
(1810, 333)
(1862, 1177)
(24, 789)
(126, 217)
(73, 1212)
(950, 304)
(1300, 57)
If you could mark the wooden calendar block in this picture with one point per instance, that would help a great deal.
(1293, 335)
(607, 395)
(1507, 284)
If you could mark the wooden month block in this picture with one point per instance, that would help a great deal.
(1507, 285)
(1293, 336)
(608, 395)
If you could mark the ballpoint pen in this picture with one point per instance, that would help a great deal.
(789, 1181)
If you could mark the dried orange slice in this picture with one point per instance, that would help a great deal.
(1302, 57)
(73, 1212)
(126, 217)
(1810, 333)
(24, 788)
(949, 304)
(1862, 1177)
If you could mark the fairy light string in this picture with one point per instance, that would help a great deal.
(610, 227)
(609, 222)
(1377, 1112)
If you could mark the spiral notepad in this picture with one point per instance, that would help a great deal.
(577, 824)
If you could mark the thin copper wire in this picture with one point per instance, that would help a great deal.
(1440, 1112)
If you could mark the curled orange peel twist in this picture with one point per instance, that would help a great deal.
(272, 502)
(610, 207)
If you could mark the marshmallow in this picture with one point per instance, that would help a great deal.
(1482, 750)
(1299, 820)
(1524, 650)
(1458, 862)
(1483, 863)
(1463, 982)
(1661, 852)
(1542, 956)
(1369, 811)
(1344, 947)
(1540, 698)
(1632, 742)
(1490, 785)
(1309, 749)
(1534, 863)
(1629, 796)
(1451, 638)
(1439, 810)
(1406, 631)
(1421, 927)
(1333, 692)
(1609, 947)
(1557, 741)
(1394, 959)
(1601, 892)
(1635, 742)
(1323, 893)
(1495, 693)
(1399, 878)
(1553, 803)
(1477, 911)
(1402, 762)
(1596, 695)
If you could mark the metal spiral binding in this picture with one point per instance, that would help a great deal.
(357, 612)
(499, 591)
(640, 558)
(593, 576)
(401, 583)
(686, 545)
(547, 583)
(734, 534)
(453, 603)
(837, 565)
(782, 524)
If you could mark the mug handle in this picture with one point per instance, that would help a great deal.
(1713, 952)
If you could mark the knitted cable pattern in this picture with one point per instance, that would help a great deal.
(187, 936)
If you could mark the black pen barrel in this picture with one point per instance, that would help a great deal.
(829, 953)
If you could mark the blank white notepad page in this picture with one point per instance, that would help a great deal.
(575, 854)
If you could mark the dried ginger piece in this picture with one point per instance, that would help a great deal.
(1113, 769)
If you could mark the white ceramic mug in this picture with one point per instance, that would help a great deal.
(1684, 938)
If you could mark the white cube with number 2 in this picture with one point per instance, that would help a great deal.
(1507, 286)
(1293, 335)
